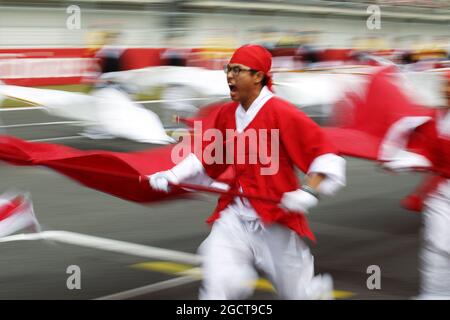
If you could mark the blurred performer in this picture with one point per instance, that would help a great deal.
(175, 96)
(251, 234)
(175, 57)
(16, 213)
(110, 54)
(114, 109)
(424, 143)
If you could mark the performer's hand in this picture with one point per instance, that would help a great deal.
(405, 165)
(406, 161)
(160, 180)
(298, 201)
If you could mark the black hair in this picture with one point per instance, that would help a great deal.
(264, 81)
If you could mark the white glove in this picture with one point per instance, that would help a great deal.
(406, 161)
(298, 201)
(160, 180)
(220, 185)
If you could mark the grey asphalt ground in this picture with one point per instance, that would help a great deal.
(363, 225)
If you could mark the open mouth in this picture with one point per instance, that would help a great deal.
(232, 87)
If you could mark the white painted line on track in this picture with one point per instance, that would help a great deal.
(142, 101)
(69, 137)
(56, 139)
(37, 124)
(106, 244)
(24, 237)
(21, 109)
(181, 100)
(154, 287)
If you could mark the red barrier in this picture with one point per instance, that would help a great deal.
(45, 66)
(60, 66)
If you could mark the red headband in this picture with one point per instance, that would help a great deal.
(255, 57)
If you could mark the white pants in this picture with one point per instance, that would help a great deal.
(435, 251)
(235, 247)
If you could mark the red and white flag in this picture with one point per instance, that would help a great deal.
(16, 213)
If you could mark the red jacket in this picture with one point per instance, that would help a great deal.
(300, 141)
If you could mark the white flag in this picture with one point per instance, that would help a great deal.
(16, 213)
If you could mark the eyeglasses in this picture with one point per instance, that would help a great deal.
(235, 70)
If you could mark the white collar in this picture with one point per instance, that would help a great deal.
(443, 123)
(243, 118)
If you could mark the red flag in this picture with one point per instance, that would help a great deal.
(120, 174)
(368, 118)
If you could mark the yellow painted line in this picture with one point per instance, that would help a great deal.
(195, 273)
(164, 267)
(265, 285)
(340, 294)
(188, 270)
(22, 100)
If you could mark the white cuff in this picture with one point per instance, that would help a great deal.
(188, 168)
(333, 167)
